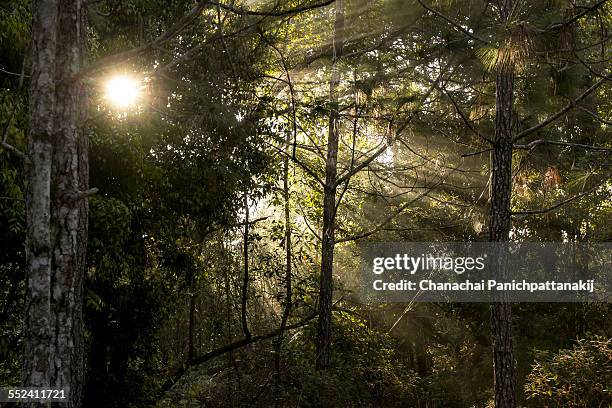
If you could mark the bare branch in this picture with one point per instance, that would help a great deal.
(312, 231)
(361, 165)
(303, 166)
(398, 132)
(252, 222)
(12, 73)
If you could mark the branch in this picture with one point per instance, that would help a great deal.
(252, 222)
(477, 153)
(163, 38)
(577, 16)
(464, 118)
(185, 21)
(226, 349)
(361, 165)
(12, 73)
(594, 115)
(243, 12)
(312, 231)
(398, 132)
(392, 216)
(453, 23)
(13, 150)
(554, 207)
(560, 113)
(73, 196)
(303, 166)
(538, 142)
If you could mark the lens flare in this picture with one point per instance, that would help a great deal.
(122, 91)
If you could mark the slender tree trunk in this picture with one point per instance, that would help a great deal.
(288, 273)
(323, 358)
(245, 277)
(499, 229)
(192, 323)
(56, 208)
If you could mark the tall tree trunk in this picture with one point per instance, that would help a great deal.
(56, 207)
(245, 276)
(499, 229)
(192, 322)
(323, 358)
(288, 270)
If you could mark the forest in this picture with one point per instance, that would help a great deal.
(188, 188)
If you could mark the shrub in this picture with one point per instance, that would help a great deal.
(580, 377)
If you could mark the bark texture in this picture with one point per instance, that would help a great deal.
(323, 358)
(499, 229)
(56, 211)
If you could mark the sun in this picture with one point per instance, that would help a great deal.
(122, 91)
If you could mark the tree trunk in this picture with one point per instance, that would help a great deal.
(288, 272)
(192, 322)
(323, 358)
(245, 276)
(499, 230)
(56, 209)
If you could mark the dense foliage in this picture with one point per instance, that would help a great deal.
(579, 377)
(220, 161)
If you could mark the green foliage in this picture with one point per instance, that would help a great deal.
(14, 33)
(14, 41)
(367, 372)
(166, 231)
(577, 377)
(367, 369)
(123, 309)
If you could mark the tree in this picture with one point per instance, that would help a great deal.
(323, 359)
(56, 200)
(363, 122)
(499, 224)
